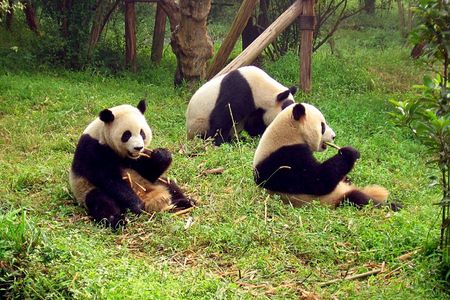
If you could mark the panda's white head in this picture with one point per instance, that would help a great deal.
(298, 123)
(125, 129)
(310, 126)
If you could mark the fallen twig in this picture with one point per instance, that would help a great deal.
(392, 272)
(408, 255)
(213, 171)
(353, 277)
(182, 212)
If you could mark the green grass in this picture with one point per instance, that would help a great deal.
(243, 243)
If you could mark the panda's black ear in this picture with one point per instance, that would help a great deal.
(106, 116)
(298, 111)
(293, 90)
(283, 95)
(142, 106)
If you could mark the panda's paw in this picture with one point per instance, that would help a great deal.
(395, 206)
(162, 156)
(183, 203)
(349, 154)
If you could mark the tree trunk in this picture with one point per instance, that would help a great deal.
(401, 16)
(65, 8)
(172, 10)
(102, 13)
(190, 41)
(9, 15)
(158, 34)
(130, 35)
(369, 6)
(30, 15)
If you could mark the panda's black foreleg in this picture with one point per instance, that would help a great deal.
(153, 164)
(220, 127)
(254, 124)
(334, 169)
(102, 208)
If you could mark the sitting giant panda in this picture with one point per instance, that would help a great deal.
(247, 98)
(284, 162)
(112, 171)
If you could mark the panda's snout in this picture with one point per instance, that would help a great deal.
(139, 148)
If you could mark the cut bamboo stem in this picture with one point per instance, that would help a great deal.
(332, 145)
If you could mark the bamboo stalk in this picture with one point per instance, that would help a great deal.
(332, 145)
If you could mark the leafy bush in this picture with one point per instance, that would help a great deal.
(428, 114)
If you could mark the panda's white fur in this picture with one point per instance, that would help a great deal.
(285, 131)
(112, 171)
(264, 91)
(126, 117)
(283, 162)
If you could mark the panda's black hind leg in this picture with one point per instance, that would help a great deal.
(179, 200)
(103, 209)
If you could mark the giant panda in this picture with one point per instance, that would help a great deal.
(112, 171)
(284, 163)
(249, 93)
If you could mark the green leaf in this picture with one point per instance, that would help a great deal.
(428, 82)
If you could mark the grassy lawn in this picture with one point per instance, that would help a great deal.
(243, 243)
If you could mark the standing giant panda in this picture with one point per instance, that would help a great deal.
(251, 96)
(111, 165)
(284, 162)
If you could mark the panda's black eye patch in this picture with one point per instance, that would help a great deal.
(323, 127)
(126, 136)
(142, 134)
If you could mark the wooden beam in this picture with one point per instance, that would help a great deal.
(251, 52)
(158, 34)
(307, 23)
(244, 13)
(130, 35)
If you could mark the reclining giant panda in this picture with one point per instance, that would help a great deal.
(284, 163)
(244, 99)
(112, 171)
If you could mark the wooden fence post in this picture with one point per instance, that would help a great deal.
(244, 13)
(307, 23)
(258, 45)
(130, 35)
(158, 34)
